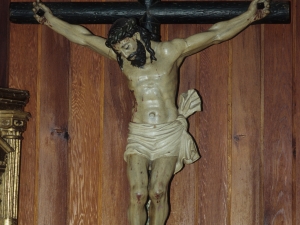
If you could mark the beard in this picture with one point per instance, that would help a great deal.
(139, 56)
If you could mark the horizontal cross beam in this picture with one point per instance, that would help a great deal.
(163, 12)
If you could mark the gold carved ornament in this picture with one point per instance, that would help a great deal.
(13, 122)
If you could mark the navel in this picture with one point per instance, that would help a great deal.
(152, 114)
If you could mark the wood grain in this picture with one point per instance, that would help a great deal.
(4, 43)
(278, 125)
(246, 127)
(211, 129)
(53, 127)
(85, 146)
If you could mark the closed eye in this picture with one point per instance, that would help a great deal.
(125, 46)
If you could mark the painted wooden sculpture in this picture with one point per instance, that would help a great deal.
(158, 139)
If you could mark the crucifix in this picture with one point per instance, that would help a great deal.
(158, 140)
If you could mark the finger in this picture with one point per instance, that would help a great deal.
(36, 4)
(37, 18)
(43, 7)
(35, 7)
(39, 4)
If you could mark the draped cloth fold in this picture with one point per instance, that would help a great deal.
(167, 139)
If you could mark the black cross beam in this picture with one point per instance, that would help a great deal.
(151, 13)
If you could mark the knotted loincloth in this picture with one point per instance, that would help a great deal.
(167, 139)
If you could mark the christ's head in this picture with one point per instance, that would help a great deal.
(128, 40)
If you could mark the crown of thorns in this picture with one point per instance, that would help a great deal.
(121, 29)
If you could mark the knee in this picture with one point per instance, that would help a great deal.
(138, 195)
(157, 193)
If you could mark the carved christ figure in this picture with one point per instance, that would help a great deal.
(158, 138)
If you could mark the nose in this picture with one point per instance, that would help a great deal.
(125, 53)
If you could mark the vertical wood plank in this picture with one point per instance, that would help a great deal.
(211, 130)
(85, 146)
(53, 127)
(4, 42)
(23, 75)
(278, 125)
(246, 124)
(296, 113)
(117, 114)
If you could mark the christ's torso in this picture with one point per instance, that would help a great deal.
(154, 87)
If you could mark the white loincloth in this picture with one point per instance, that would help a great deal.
(168, 139)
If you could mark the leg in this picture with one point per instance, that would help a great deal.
(137, 172)
(161, 174)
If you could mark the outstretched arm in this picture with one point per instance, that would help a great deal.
(74, 33)
(222, 31)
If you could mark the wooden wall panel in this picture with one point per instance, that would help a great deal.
(246, 127)
(278, 124)
(211, 132)
(53, 109)
(85, 137)
(117, 114)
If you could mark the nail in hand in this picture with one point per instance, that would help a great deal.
(40, 12)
